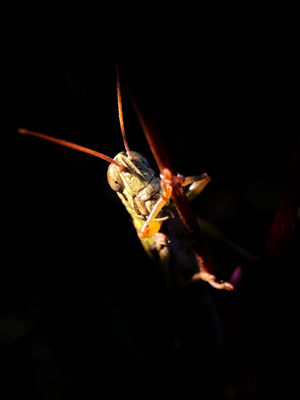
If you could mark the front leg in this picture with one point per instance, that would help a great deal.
(151, 226)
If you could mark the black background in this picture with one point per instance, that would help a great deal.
(82, 308)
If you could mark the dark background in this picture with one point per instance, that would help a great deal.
(82, 308)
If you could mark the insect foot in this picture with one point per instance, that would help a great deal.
(147, 231)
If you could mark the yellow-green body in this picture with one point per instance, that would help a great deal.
(147, 199)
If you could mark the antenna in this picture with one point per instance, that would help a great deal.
(121, 112)
(85, 149)
(69, 144)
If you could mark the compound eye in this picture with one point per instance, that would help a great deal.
(114, 179)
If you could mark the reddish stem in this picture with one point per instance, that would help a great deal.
(207, 267)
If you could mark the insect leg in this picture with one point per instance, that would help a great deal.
(151, 226)
(197, 182)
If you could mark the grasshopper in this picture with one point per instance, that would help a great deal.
(145, 195)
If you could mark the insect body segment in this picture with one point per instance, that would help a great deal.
(141, 191)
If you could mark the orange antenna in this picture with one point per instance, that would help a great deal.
(121, 112)
(69, 144)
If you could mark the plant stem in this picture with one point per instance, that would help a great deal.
(207, 266)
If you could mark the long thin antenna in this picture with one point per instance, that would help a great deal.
(69, 144)
(121, 111)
